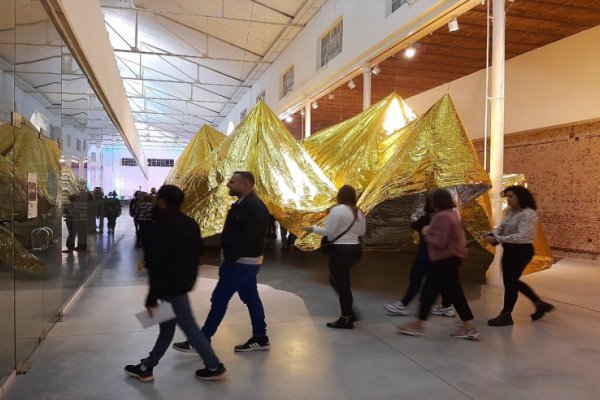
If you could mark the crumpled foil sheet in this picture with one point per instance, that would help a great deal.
(202, 144)
(348, 152)
(295, 190)
(23, 259)
(71, 183)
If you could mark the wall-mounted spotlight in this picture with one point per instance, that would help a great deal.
(331, 96)
(289, 118)
(453, 25)
(315, 105)
(376, 70)
(351, 84)
(410, 51)
(302, 112)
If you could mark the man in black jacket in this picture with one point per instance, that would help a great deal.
(172, 252)
(242, 244)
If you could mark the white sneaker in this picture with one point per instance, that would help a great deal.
(397, 308)
(442, 311)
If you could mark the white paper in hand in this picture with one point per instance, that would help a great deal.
(164, 312)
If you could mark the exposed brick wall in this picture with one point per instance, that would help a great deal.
(562, 166)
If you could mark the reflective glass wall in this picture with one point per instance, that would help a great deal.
(49, 116)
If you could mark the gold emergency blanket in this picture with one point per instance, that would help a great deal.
(293, 187)
(433, 152)
(71, 183)
(22, 258)
(13, 191)
(202, 144)
(477, 217)
(348, 153)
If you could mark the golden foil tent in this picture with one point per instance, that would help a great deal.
(202, 144)
(71, 183)
(293, 187)
(349, 152)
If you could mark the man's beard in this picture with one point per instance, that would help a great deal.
(234, 193)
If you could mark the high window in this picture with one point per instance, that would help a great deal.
(331, 43)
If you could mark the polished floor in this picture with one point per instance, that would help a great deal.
(555, 358)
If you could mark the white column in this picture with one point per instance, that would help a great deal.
(82, 169)
(307, 110)
(494, 276)
(366, 86)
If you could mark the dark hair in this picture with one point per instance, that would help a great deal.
(524, 196)
(441, 199)
(247, 176)
(428, 207)
(171, 194)
(347, 196)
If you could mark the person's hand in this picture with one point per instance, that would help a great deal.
(489, 239)
(425, 230)
(307, 229)
(151, 310)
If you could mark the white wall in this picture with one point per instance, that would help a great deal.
(554, 85)
(367, 32)
(126, 180)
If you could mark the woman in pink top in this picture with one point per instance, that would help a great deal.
(446, 244)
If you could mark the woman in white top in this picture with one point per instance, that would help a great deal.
(517, 234)
(347, 250)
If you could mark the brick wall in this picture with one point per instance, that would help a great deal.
(562, 166)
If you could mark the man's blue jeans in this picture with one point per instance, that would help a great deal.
(240, 278)
(187, 323)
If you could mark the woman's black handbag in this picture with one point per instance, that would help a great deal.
(327, 246)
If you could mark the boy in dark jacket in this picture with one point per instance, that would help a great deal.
(172, 250)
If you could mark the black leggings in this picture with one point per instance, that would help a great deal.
(343, 257)
(514, 260)
(418, 272)
(443, 278)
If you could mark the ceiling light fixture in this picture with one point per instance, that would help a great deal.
(331, 96)
(453, 25)
(351, 84)
(376, 70)
(302, 112)
(410, 51)
(289, 118)
(315, 105)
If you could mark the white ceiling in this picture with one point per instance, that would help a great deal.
(185, 63)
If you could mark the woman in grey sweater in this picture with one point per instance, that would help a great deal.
(517, 234)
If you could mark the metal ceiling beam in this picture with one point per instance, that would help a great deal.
(275, 10)
(189, 14)
(195, 83)
(184, 56)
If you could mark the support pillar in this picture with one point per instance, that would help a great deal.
(307, 110)
(366, 86)
(494, 275)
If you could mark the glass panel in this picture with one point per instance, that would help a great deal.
(7, 185)
(38, 86)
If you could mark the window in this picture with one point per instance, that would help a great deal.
(331, 43)
(161, 162)
(78, 141)
(396, 4)
(243, 114)
(93, 157)
(287, 82)
(84, 145)
(68, 140)
(128, 162)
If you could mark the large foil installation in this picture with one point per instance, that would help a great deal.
(206, 140)
(293, 187)
(477, 217)
(71, 183)
(349, 152)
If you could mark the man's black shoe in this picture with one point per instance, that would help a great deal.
(207, 374)
(140, 371)
(254, 344)
(184, 347)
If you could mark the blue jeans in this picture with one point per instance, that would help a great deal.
(187, 323)
(240, 278)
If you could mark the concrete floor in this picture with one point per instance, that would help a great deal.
(555, 358)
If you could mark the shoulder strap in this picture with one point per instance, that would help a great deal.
(346, 231)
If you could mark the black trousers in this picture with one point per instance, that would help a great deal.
(443, 278)
(514, 260)
(418, 272)
(341, 260)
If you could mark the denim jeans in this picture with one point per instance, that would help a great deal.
(187, 323)
(418, 272)
(240, 278)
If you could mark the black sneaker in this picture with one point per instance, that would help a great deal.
(541, 308)
(184, 347)
(140, 371)
(254, 344)
(504, 319)
(207, 374)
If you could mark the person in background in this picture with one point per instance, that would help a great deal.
(517, 234)
(242, 245)
(172, 250)
(98, 195)
(69, 214)
(143, 214)
(132, 204)
(153, 192)
(344, 227)
(419, 270)
(112, 210)
(446, 245)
